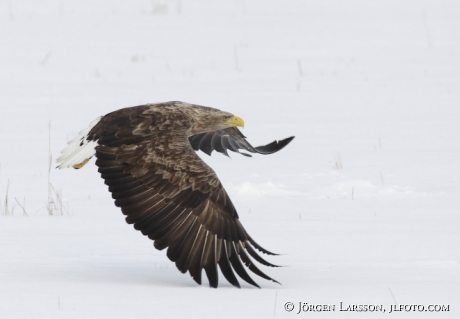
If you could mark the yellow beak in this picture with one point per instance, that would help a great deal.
(236, 121)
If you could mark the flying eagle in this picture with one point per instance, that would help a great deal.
(146, 155)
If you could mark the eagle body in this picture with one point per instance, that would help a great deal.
(147, 156)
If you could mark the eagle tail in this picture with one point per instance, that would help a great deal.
(79, 150)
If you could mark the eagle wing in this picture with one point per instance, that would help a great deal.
(232, 139)
(173, 197)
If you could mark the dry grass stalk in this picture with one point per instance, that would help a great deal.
(6, 207)
(338, 162)
(23, 206)
(54, 204)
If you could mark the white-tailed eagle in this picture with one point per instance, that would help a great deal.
(146, 155)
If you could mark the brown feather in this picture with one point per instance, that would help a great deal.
(168, 192)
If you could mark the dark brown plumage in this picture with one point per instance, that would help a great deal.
(146, 155)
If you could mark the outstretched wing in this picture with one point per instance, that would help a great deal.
(173, 197)
(232, 139)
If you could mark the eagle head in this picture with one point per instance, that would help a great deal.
(208, 119)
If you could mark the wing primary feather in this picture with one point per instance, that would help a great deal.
(145, 224)
(258, 247)
(238, 266)
(245, 154)
(162, 227)
(226, 143)
(185, 246)
(205, 143)
(195, 141)
(211, 266)
(190, 251)
(254, 255)
(194, 260)
(122, 202)
(231, 138)
(141, 205)
(247, 261)
(159, 206)
(225, 267)
(231, 141)
(274, 146)
(204, 246)
(216, 143)
(176, 248)
(172, 236)
(241, 233)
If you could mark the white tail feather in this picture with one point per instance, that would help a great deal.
(78, 149)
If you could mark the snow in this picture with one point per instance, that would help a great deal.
(363, 204)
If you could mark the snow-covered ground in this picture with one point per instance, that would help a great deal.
(364, 204)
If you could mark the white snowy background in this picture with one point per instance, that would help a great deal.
(364, 204)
